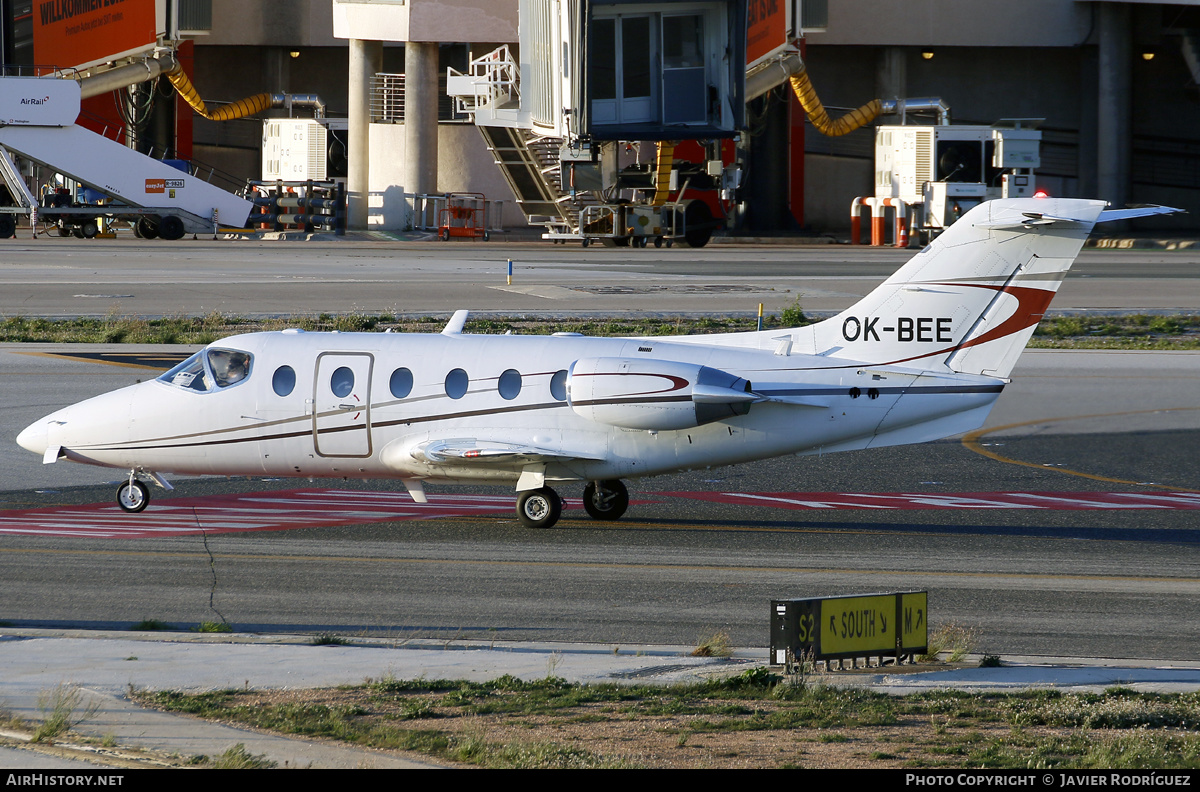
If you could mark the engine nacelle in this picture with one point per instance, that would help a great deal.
(640, 393)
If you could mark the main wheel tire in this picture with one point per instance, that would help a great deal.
(171, 228)
(89, 228)
(132, 496)
(147, 226)
(605, 500)
(539, 508)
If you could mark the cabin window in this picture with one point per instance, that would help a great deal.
(456, 383)
(558, 385)
(284, 381)
(509, 384)
(228, 366)
(189, 374)
(342, 381)
(401, 383)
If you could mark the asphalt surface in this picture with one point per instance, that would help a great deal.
(51, 276)
(1047, 586)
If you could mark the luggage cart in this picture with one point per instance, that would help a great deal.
(463, 216)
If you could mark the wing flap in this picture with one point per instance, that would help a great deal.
(469, 450)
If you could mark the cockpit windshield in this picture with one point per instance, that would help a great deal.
(209, 370)
(228, 366)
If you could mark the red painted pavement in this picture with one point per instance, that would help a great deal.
(953, 500)
(318, 508)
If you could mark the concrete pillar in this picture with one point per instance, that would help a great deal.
(420, 117)
(1087, 155)
(277, 68)
(366, 59)
(891, 81)
(1114, 98)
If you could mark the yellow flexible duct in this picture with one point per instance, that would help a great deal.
(662, 178)
(239, 109)
(820, 119)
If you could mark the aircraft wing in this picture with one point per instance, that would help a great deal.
(469, 450)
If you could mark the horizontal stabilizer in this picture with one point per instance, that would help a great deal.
(1135, 211)
(1032, 219)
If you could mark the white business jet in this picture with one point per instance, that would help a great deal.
(923, 356)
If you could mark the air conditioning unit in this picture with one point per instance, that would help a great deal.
(299, 149)
(945, 170)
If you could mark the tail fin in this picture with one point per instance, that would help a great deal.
(969, 301)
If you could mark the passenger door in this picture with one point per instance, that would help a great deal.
(342, 404)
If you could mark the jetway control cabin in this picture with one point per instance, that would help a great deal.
(658, 71)
(620, 70)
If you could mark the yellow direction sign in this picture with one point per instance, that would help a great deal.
(895, 624)
(914, 622)
(858, 625)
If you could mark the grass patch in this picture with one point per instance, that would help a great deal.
(213, 627)
(238, 758)
(328, 639)
(1139, 331)
(62, 709)
(742, 721)
(953, 641)
(716, 645)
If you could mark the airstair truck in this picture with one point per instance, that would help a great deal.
(37, 122)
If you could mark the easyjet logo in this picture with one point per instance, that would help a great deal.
(161, 185)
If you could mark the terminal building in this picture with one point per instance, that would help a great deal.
(1113, 88)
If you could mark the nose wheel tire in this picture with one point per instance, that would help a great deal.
(605, 500)
(132, 496)
(539, 508)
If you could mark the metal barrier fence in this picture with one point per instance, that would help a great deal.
(427, 211)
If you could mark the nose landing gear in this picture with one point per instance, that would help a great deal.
(132, 495)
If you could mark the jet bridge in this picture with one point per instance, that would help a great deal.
(37, 122)
(596, 78)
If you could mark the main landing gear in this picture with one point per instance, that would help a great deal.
(603, 500)
(539, 508)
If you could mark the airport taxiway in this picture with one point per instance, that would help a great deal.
(1100, 582)
(69, 277)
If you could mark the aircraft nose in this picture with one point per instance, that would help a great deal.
(35, 437)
